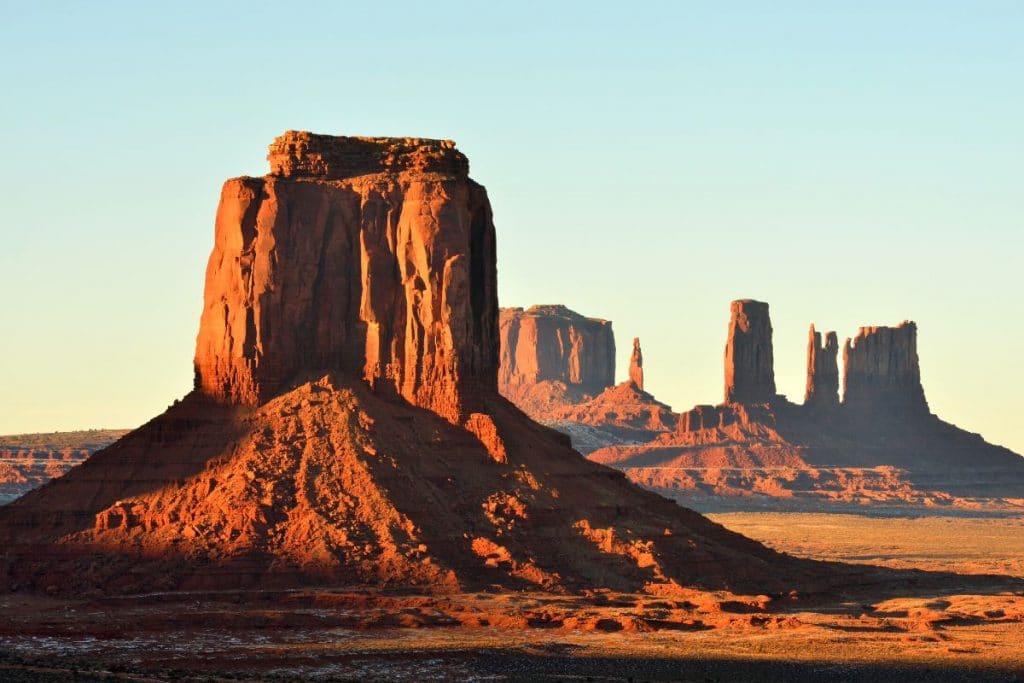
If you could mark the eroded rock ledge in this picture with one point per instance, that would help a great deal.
(336, 157)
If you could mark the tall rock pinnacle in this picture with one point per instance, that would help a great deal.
(636, 365)
(749, 361)
(822, 370)
(881, 370)
(373, 257)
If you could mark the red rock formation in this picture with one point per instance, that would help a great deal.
(624, 413)
(30, 460)
(555, 343)
(345, 428)
(822, 370)
(636, 365)
(880, 445)
(881, 371)
(372, 257)
(749, 360)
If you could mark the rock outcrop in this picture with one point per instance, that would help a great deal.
(558, 367)
(822, 370)
(749, 359)
(554, 344)
(881, 371)
(636, 365)
(371, 257)
(345, 428)
(879, 446)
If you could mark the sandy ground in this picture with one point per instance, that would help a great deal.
(967, 545)
(976, 633)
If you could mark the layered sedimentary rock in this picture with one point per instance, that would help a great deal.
(372, 257)
(554, 343)
(749, 359)
(636, 365)
(346, 429)
(881, 370)
(622, 414)
(881, 445)
(822, 370)
(558, 367)
(30, 460)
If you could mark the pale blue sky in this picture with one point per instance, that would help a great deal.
(850, 163)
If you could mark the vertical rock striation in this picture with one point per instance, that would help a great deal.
(822, 370)
(881, 371)
(373, 257)
(749, 361)
(636, 365)
(554, 343)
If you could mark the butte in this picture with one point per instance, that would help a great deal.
(345, 426)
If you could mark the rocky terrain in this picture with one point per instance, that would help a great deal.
(30, 460)
(346, 427)
(346, 495)
(552, 356)
(878, 446)
(559, 368)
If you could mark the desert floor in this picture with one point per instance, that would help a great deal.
(974, 633)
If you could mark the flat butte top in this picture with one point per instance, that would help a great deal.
(336, 157)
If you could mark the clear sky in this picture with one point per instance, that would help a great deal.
(851, 163)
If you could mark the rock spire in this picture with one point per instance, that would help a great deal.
(636, 365)
(822, 370)
(749, 360)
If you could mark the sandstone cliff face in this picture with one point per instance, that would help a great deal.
(636, 365)
(553, 343)
(373, 257)
(881, 371)
(749, 359)
(822, 370)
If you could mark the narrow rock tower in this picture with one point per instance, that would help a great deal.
(822, 370)
(749, 360)
(636, 365)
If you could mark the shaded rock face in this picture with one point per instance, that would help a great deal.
(553, 343)
(881, 445)
(881, 370)
(749, 359)
(636, 365)
(822, 370)
(346, 429)
(372, 257)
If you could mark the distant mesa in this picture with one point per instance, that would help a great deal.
(345, 428)
(551, 355)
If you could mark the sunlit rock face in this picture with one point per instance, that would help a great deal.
(372, 257)
(554, 343)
